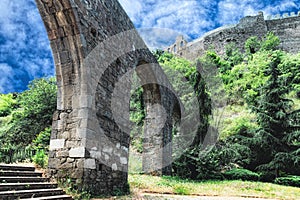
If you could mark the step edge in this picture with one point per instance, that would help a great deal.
(45, 198)
(30, 191)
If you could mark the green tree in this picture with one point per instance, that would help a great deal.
(7, 104)
(189, 83)
(252, 45)
(274, 117)
(32, 116)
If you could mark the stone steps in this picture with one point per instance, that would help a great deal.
(23, 182)
(20, 173)
(58, 197)
(17, 168)
(30, 193)
(21, 179)
(26, 186)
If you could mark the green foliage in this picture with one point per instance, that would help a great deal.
(198, 164)
(244, 80)
(273, 114)
(137, 114)
(252, 45)
(266, 81)
(42, 140)
(267, 176)
(30, 116)
(7, 104)
(39, 102)
(40, 158)
(74, 189)
(11, 153)
(271, 42)
(263, 79)
(232, 55)
(241, 174)
(289, 181)
(181, 190)
(290, 67)
(240, 125)
(191, 88)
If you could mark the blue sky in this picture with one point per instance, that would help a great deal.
(25, 53)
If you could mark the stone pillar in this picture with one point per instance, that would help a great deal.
(157, 140)
(95, 47)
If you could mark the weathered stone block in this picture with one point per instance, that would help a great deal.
(64, 153)
(57, 144)
(79, 152)
(90, 164)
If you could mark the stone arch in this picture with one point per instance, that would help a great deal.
(94, 46)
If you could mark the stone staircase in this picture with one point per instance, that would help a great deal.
(24, 182)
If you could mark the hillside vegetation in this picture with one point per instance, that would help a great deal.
(25, 122)
(250, 99)
(258, 100)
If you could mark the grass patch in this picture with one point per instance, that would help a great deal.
(174, 185)
(135, 162)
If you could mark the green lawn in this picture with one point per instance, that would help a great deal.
(173, 185)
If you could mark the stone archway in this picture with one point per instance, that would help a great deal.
(95, 45)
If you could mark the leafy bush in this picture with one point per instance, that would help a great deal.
(289, 181)
(12, 154)
(267, 177)
(40, 158)
(239, 125)
(28, 115)
(42, 140)
(192, 164)
(243, 174)
(7, 104)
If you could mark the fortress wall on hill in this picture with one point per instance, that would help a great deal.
(287, 28)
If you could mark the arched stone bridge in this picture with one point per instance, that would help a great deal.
(96, 50)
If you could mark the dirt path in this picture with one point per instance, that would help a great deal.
(148, 196)
(180, 197)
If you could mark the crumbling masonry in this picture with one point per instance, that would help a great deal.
(286, 27)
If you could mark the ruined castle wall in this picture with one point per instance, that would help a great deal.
(238, 34)
(288, 31)
(285, 27)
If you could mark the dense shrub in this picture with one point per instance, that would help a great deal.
(40, 158)
(243, 174)
(24, 129)
(42, 140)
(289, 181)
(267, 177)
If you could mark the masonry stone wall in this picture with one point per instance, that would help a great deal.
(286, 27)
(96, 50)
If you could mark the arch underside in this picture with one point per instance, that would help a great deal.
(96, 49)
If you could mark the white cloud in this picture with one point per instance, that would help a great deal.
(189, 17)
(195, 17)
(232, 10)
(6, 77)
(24, 44)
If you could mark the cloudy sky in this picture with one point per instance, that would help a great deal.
(25, 53)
